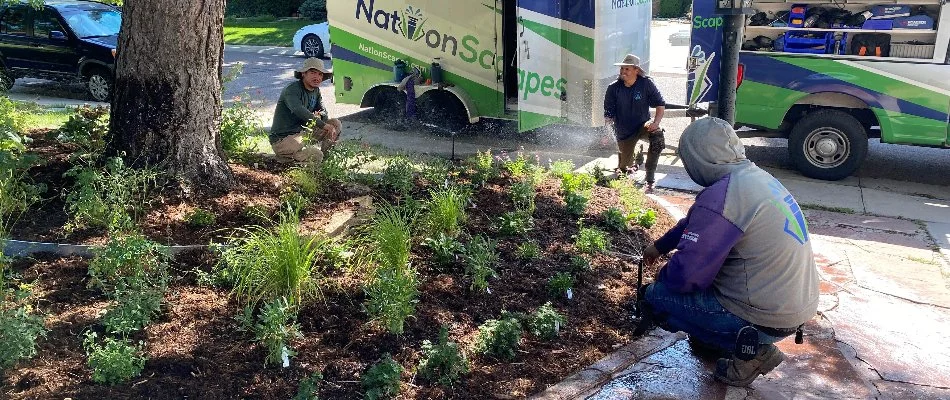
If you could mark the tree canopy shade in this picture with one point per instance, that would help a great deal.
(166, 109)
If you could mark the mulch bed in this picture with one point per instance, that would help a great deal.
(195, 350)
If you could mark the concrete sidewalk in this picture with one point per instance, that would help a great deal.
(265, 50)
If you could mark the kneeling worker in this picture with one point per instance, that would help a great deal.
(299, 105)
(743, 258)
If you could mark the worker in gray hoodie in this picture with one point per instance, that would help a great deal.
(743, 257)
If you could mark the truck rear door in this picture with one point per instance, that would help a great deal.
(540, 86)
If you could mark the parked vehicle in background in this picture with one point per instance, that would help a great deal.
(313, 40)
(680, 38)
(65, 40)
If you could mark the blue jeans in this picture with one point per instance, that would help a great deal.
(700, 315)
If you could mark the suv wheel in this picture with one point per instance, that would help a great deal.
(312, 46)
(99, 83)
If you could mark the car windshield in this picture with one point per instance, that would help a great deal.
(93, 23)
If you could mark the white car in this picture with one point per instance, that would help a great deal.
(680, 38)
(313, 40)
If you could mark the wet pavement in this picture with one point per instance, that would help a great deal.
(880, 332)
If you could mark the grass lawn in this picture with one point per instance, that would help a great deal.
(262, 31)
(38, 117)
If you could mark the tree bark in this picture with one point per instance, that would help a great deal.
(166, 108)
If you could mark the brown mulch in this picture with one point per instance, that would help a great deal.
(195, 349)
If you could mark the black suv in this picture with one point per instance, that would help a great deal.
(65, 40)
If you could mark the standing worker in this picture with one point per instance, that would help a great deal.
(299, 105)
(743, 259)
(627, 105)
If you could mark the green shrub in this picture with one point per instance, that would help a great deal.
(631, 198)
(392, 289)
(307, 390)
(591, 241)
(19, 331)
(560, 168)
(560, 284)
(315, 10)
(382, 379)
(128, 263)
(113, 361)
(499, 337)
(240, 126)
(546, 322)
(86, 128)
(445, 211)
(517, 167)
(112, 197)
(523, 195)
(200, 218)
(293, 203)
(438, 172)
(399, 175)
(577, 183)
(673, 8)
(646, 218)
(340, 165)
(269, 263)
(445, 249)
(482, 257)
(529, 250)
(575, 203)
(580, 265)
(442, 362)
(484, 167)
(275, 329)
(515, 223)
(17, 194)
(306, 180)
(133, 311)
(615, 219)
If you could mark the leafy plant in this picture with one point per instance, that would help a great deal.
(561, 168)
(112, 197)
(499, 337)
(516, 167)
(113, 361)
(307, 390)
(482, 258)
(306, 180)
(522, 195)
(392, 289)
(128, 262)
(615, 219)
(546, 322)
(339, 166)
(577, 183)
(17, 194)
(646, 218)
(86, 128)
(591, 241)
(575, 203)
(133, 311)
(442, 362)
(275, 330)
(438, 172)
(631, 198)
(19, 331)
(484, 167)
(515, 223)
(580, 264)
(529, 250)
(382, 380)
(445, 211)
(240, 125)
(399, 175)
(268, 263)
(200, 218)
(256, 212)
(598, 172)
(560, 283)
(445, 249)
(294, 203)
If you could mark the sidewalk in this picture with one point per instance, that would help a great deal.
(266, 50)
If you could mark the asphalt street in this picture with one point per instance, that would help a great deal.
(263, 76)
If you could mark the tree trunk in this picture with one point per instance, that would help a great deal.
(166, 109)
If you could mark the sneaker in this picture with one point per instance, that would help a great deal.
(649, 188)
(736, 372)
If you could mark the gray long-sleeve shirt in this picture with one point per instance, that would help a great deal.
(296, 108)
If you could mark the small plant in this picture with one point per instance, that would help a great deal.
(392, 289)
(577, 183)
(499, 337)
(19, 331)
(631, 198)
(517, 167)
(522, 195)
(445, 211)
(529, 250)
(591, 241)
(307, 390)
(87, 128)
(382, 379)
(598, 172)
(561, 284)
(112, 197)
(113, 361)
(484, 167)
(561, 168)
(437, 172)
(442, 362)
(546, 322)
(129, 262)
(306, 180)
(482, 258)
(275, 330)
(580, 265)
(339, 166)
(294, 203)
(399, 175)
(133, 311)
(515, 223)
(575, 203)
(258, 213)
(245, 319)
(615, 219)
(646, 218)
(239, 126)
(200, 218)
(445, 249)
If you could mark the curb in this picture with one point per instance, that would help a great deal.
(267, 50)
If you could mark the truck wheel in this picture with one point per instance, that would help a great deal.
(389, 106)
(828, 144)
(442, 110)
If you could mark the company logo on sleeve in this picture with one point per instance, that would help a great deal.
(795, 225)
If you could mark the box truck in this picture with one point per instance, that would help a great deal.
(538, 61)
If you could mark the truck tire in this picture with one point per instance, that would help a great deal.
(828, 145)
(443, 111)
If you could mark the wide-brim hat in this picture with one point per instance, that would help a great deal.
(314, 63)
(629, 60)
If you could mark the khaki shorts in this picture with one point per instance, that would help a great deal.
(292, 148)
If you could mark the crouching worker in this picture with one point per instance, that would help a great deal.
(300, 106)
(743, 259)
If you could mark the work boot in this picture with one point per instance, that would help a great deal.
(736, 372)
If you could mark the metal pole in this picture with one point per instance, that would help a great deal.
(728, 71)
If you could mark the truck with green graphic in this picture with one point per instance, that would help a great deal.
(830, 74)
(538, 61)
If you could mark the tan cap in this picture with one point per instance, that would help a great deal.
(314, 63)
(630, 60)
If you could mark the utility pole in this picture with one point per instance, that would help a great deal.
(733, 12)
